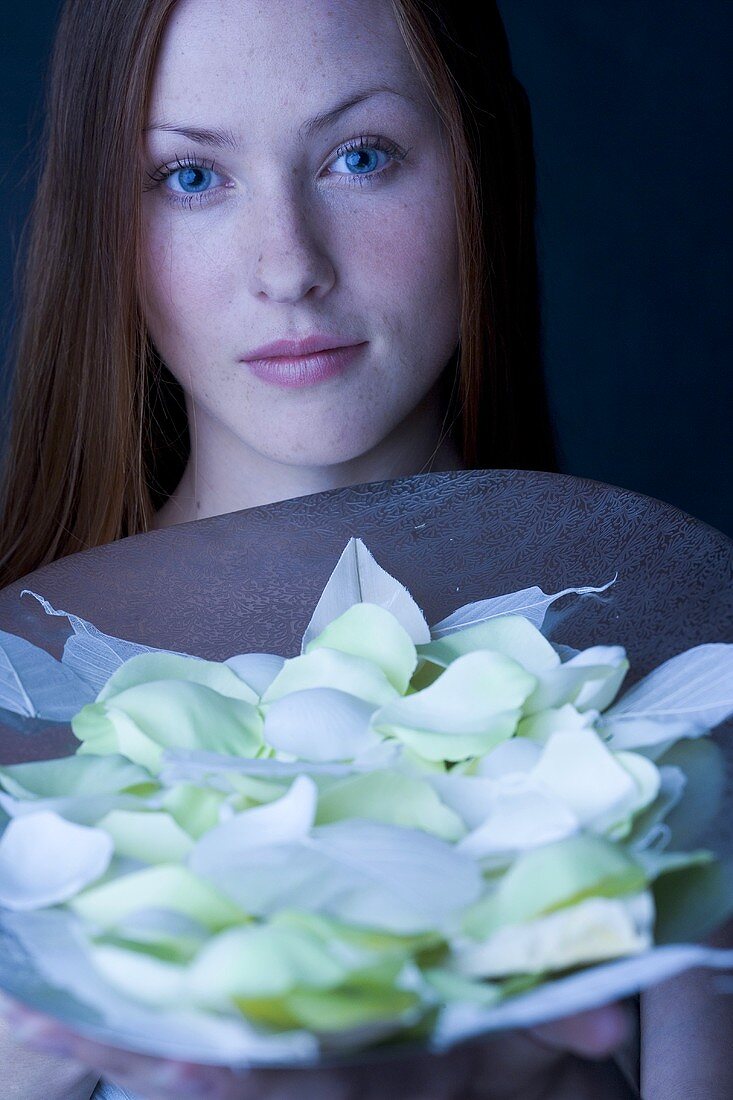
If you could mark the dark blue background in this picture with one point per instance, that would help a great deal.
(632, 105)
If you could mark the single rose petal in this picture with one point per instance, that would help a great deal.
(45, 859)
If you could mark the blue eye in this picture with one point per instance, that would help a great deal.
(361, 158)
(189, 172)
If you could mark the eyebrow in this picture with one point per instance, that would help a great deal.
(219, 137)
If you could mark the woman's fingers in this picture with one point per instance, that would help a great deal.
(596, 1033)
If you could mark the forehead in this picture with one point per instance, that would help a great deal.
(262, 65)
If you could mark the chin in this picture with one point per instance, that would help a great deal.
(316, 445)
(309, 455)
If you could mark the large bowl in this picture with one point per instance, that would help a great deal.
(249, 581)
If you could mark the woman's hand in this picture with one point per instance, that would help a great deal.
(519, 1065)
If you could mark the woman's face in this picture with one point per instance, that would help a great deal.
(284, 231)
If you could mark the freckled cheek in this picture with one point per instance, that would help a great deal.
(411, 247)
(183, 281)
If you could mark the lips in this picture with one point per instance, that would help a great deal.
(290, 371)
(292, 348)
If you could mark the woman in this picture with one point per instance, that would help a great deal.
(93, 428)
(370, 184)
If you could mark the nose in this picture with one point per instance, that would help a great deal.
(290, 259)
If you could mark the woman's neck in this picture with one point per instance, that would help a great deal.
(225, 475)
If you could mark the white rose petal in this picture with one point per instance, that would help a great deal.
(577, 768)
(45, 859)
(519, 818)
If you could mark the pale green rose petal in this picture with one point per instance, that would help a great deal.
(102, 730)
(595, 929)
(195, 808)
(329, 668)
(370, 944)
(552, 877)
(437, 747)
(194, 716)
(562, 685)
(451, 986)
(45, 860)
(320, 724)
(262, 961)
(369, 1005)
(540, 727)
(86, 787)
(369, 631)
(148, 667)
(599, 694)
(172, 937)
(151, 837)
(648, 778)
(165, 886)
(393, 798)
(72, 775)
(469, 709)
(141, 976)
(413, 763)
(254, 791)
(352, 1007)
(351, 1016)
(145, 719)
(512, 635)
(580, 771)
(82, 810)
